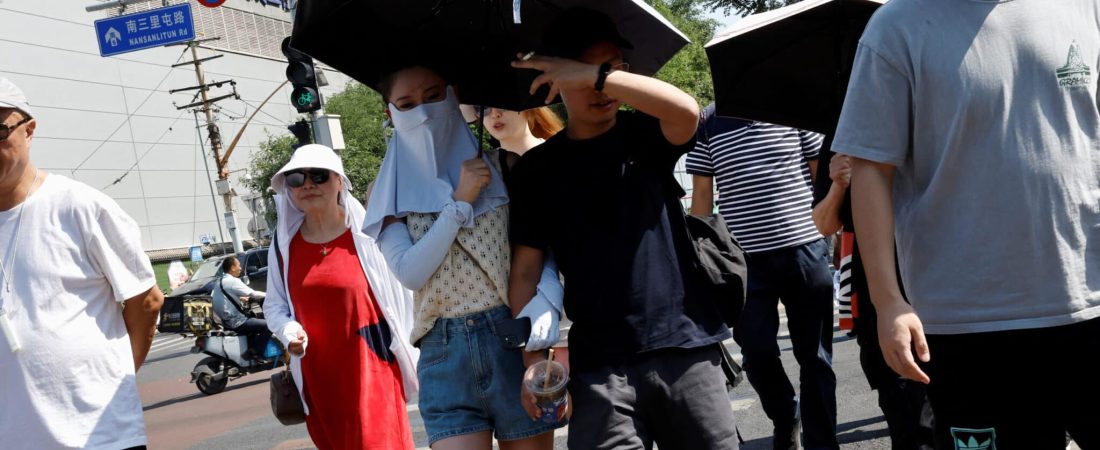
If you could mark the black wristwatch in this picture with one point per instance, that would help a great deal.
(601, 77)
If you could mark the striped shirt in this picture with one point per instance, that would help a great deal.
(764, 188)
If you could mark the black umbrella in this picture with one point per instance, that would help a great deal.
(471, 41)
(789, 66)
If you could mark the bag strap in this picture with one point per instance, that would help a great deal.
(278, 251)
(279, 258)
(230, 299)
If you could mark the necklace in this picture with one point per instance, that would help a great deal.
(325, 246)
(13, 250)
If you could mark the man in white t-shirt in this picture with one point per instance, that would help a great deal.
(78, 304)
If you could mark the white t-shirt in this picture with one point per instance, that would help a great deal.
(77, 257)
(231, 316)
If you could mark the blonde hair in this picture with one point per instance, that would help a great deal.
(542, 121)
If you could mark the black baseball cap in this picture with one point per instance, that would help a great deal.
(577, 29)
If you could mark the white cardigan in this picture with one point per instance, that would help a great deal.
(395, 301)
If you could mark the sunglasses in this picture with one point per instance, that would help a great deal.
(297, 178)
(5, 129)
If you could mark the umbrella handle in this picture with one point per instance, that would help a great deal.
(480, 132)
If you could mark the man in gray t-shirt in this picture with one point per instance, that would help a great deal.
(981, 119)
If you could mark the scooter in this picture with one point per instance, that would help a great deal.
(226, 362)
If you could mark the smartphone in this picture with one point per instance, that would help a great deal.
(514, 333)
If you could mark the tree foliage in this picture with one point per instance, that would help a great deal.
(689, 70)
(361, 116)
(744, 7)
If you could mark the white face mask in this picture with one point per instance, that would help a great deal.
(423, 164)
(436, 135)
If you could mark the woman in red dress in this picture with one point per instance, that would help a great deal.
(347, 309)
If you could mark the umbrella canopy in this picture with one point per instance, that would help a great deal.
(789, 66)
(471, 41)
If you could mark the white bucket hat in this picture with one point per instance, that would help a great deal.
(310, 156)
(12, 97)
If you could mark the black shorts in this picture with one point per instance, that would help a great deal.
(1020, 389)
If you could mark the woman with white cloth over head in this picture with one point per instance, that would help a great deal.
(343, 316)
(440, 211)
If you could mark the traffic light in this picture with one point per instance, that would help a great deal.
(303, 77)
(300, 130)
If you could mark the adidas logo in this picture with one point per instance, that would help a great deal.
(971, 439)
(1075, 72)
(973, 444)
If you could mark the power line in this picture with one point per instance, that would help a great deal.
(261, 110)
(127, 121)
(33, 44)
(138, 161)
(119, 142)
(58, 169)
(148, 116)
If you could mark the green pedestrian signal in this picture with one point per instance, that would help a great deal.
(303, 77)
(305, 98)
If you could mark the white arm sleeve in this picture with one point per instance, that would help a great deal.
(277, 313)
(549, 286)
(414, 264)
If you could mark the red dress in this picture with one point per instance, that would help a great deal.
(351, 380)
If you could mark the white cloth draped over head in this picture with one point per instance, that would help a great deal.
(422, 165)
(313, 156)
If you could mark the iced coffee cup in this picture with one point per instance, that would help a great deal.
(547, 380)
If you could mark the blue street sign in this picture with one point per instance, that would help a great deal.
(145, 29)
(196, 254)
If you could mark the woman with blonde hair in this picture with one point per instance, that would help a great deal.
(517, 132)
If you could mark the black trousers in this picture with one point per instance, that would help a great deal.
(1020, 389)
(258, 334)
(799, 277)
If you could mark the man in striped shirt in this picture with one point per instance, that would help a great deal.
(764, 174)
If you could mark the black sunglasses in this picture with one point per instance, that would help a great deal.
(297, 178)
(5, 129)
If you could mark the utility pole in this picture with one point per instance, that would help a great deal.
(214, 133)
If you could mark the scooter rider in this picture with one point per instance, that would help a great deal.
(229, 295)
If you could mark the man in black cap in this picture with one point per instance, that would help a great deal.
(601, 196)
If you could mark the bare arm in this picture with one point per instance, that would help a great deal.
(524, 279)
(826, 213)
(140, 315)
(813, 170)
(702, 195)
(677, 111)
(899, 327)
(522, 283)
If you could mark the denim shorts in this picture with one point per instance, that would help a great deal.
(470, 383)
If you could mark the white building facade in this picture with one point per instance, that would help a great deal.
(112, 124)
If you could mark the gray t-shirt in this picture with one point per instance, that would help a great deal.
(989, 112)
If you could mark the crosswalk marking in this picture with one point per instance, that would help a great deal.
(164, 344)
